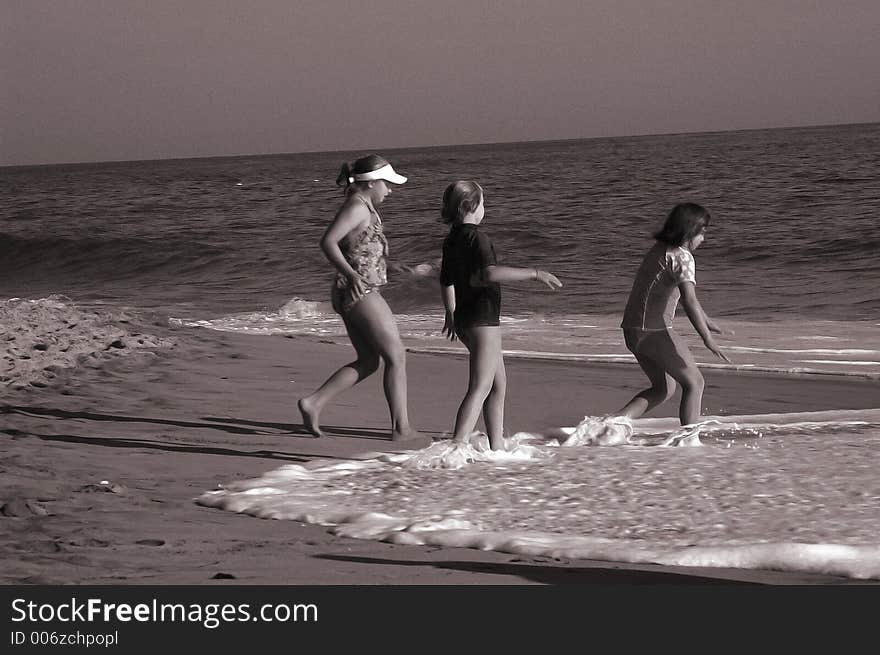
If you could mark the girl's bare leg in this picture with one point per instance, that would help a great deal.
(493, 406)
(662, 388)
(375, 322)
(669, 351)
(484, 345)
(342, 379)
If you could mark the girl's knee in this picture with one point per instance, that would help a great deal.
(693, 382)
(480, 385)
(480, 392)
(394, 354)
(660, 391)
(499, 388)
(368, 364)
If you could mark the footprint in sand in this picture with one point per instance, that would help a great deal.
(89, 543)
(105, 487)
(20, 508)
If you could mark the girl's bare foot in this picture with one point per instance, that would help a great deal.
(498, 445)
(310, 418)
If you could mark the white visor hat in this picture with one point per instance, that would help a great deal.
(384, 173)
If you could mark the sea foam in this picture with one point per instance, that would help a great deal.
(724, 504)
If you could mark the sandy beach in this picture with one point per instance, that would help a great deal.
(101, 465)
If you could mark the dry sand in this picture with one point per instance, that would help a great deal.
(100, 468)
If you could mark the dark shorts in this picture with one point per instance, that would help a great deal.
(485, 313)
(650, 343)
(633, 338)
(636, 339)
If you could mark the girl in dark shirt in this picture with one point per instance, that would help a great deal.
(470, 280)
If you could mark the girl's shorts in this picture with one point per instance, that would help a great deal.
(649, 342)
(633, 338)
(342, 299)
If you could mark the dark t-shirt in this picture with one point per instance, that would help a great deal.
(466, 251)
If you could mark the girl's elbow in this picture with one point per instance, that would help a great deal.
(326, 245)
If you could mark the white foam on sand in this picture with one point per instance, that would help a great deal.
(296, 316)
(807, 351)
(628, 503)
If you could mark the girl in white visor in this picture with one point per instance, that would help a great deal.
(355, 244)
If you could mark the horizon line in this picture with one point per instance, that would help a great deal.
(438, 145)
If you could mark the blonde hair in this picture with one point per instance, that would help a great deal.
(460, 199)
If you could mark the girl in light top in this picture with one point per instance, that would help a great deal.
(469, 278)
(355, 244)
(667, 273)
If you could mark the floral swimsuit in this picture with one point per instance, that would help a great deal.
(366, 254)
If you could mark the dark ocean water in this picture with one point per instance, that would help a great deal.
(790, 260)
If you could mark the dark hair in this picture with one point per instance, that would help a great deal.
(685, 221)
(362, 165)
(459, 199)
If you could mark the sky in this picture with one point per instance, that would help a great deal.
(109, 80)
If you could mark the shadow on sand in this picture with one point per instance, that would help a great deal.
(166, 445)
(120, 442)
(226, 424)
(550, 574)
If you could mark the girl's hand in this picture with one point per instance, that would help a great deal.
(713, 327)
(548, 278)
(357, 286)
(715, 350)
(449, 327)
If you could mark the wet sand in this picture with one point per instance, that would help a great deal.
(101, 466)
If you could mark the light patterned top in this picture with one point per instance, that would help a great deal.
(654, 296)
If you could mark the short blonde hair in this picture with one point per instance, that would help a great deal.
(459, 199)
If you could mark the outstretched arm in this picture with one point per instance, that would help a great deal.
(698, 318)
(512, 274)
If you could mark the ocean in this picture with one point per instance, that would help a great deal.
(789, 264)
